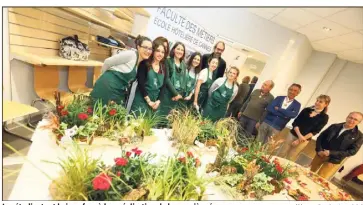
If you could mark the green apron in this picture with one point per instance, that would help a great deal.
(154, 82)
(217, 104)
(203, 91)
(178, 81)
(113, 86)
(190, 85)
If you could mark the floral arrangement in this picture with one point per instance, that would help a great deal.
(177, 179)
(255, 173)
(185, 126)
(208, 133)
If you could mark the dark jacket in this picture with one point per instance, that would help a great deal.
(279, 118)
(309, 124)
(340, 147)
(219, 72)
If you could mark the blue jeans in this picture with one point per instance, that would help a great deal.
(248, 124)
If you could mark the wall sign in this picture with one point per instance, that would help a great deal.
(174, 26)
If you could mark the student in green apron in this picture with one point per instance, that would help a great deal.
(165, 42)
(194, 67)
(150, 82)
(205, 80)
(176, 80)
(220, 94)
(119, 71)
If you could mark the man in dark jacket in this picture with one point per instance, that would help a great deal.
(336, 143)
(218, 50)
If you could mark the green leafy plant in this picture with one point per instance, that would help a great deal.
(128, 174)
(207, 131)
(176, 179)
(77, 170)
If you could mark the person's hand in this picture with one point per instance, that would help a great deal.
(295, 143)
(188, 97)
(302, 138)
(326, 153)
(156, 105)
(321, 154)
(257, 125)
(239, 115)
(195, 104)
(178, 97)
(276, 108)
(151, 103)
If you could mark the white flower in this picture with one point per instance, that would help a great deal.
(95, 117)
(71, 132)
(66, 140)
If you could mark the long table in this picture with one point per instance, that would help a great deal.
(36, 175)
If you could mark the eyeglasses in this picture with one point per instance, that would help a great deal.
(220, 50)
(147, 48)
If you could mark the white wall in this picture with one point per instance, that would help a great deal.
(312, 74)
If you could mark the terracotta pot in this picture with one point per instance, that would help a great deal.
(211, 142)
(88, 140)
(135, 194)
(278, 187)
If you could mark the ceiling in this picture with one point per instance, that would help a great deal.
(332, 30)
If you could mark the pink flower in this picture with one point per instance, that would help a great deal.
(128, 154)
(112, 112)
(102, 182)
(136, 151)
(82, 116)
(121, 161)
(190, 154)
(118, 173)
(182, 160)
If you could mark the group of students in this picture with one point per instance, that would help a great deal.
(156, 79)
(162, 81)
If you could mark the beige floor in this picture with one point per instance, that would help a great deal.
(12, 162)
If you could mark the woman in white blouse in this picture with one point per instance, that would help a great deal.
(205, 80)
(220, 94)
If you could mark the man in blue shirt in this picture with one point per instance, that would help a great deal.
(279, 113)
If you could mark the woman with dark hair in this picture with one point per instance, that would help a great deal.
(165, 42)
(205, 80)
(151, 81)
(119, 71)
(308, 123)
(220, 94)
(176, 79)
(193, 66)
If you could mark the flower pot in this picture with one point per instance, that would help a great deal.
(135, 194)
(83, 139)
(102, 128)
(277, 185)
(210, 142)
(228, 170)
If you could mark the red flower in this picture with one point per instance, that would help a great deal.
(121, 161)
(190, 154)
(112, 112)
(279, 168)
(244, 149)
(265, 159)
(60, 107)
(197, 162)
(89, 110)
(64, 113)
(203, 123)
(302, 198)
(287, 180)
(118, 173)
(102, 182)
(182, 160)
(128, 154)
(82, 116)
(136, 151)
